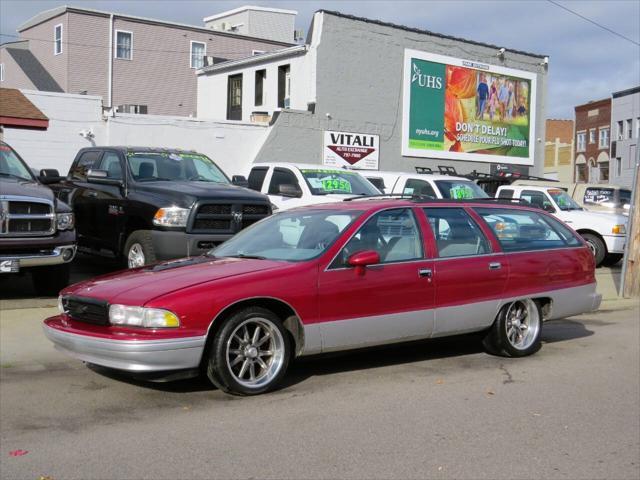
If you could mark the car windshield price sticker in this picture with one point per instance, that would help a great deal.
(460, 192)
(336, 185)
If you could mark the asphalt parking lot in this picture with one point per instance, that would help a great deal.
(440, 409)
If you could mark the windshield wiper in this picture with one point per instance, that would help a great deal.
(156, 179)
(242, 255)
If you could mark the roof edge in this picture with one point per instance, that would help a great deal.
(426, 32)
(624, 93)
(248, 7)
(282, 53)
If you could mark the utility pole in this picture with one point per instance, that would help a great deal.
(630, 286)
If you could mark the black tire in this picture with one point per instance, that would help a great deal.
(142, 242)
(597, 246)
(497, 341)
(611, 259)
(229, 378)
(48, 281)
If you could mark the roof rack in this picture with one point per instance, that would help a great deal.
(397, 196)
(430, 199)
(423, 170)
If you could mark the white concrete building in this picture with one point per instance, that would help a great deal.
(625, 128)
(259, 22)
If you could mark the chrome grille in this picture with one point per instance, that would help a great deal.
(26, 216)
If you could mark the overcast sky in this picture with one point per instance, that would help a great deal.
(586, 62)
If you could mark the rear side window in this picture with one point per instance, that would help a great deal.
(256, 178)
(378, 183)
(505, 193)
(520, 230)
(86, 162)
(281, 176)
(418, 187)
(456, 233)
(596, 196)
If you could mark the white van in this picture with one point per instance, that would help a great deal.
(605, 233)
(291, 185)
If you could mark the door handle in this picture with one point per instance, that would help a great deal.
(495, 266)
(425, 272)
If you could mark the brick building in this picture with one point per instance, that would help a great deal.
(558, 150)
(138, 65)
(592, 141)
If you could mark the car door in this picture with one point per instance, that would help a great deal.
(110, 201)
(469, 273)
(388, 302)
(81, 196)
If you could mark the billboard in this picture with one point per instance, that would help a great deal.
(348, 149)
(462, 110)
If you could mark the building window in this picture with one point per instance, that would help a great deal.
(130, 108)
(198, 52)
(581, 142)
(124, 45)
(57, 39)
(261, 76)
(604, 138)
(592, 135)
(581, 172)
(284, 86)
(619, 133)
(618, 166)
(638, 127)
(1, 72)
(604, 171)
(234, 97)
(629, 129)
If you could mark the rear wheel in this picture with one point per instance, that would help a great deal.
(250, 353)
(597, 247)
(48, 281)
(138, 249)
(516, 331)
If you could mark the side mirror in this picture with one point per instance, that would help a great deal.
(102, 177)
(240, 181)
(48, 176)
(548, 208)
(360, 260)
(288, 190)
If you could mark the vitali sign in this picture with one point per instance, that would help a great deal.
(359, 150)
(462, 110)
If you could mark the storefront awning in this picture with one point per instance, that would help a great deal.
(18, 112)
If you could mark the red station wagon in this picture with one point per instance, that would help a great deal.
(334, 277)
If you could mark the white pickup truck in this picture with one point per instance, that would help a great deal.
(291, 185)
(605, 233)
(428, 184)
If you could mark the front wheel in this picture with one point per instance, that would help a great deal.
(597, 247)
(138, 249)
(516, 331)
(250, 353)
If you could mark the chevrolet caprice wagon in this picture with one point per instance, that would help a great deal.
(334, 277)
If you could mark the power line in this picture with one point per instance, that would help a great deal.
(594, 22)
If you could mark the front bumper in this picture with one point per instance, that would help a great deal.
(129, 355)
(55, 256)
(168, 244)
(615, 243)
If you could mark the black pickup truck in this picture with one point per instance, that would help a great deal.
(36, 230)
(144, 204)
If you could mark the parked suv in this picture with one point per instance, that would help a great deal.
(36, 230)
(292, 185)
(425, 184)
(146, 204)
(605, 233)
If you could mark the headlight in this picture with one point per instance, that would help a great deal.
(619, 229)
(60, 304)
(65, 221)
(171, 217)
(142, 317)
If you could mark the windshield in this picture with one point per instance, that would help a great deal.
(292, 235)
(190, 167)
(325, 181)
(12, 166)
(563, 200)
(460, 189)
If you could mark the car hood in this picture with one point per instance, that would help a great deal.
(586, 218)
(24, 188)
(141, 285)
(201, 190)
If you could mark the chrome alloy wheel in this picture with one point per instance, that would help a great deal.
(255, 352)
(592, 247)
(135, 256)
(522, 323)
